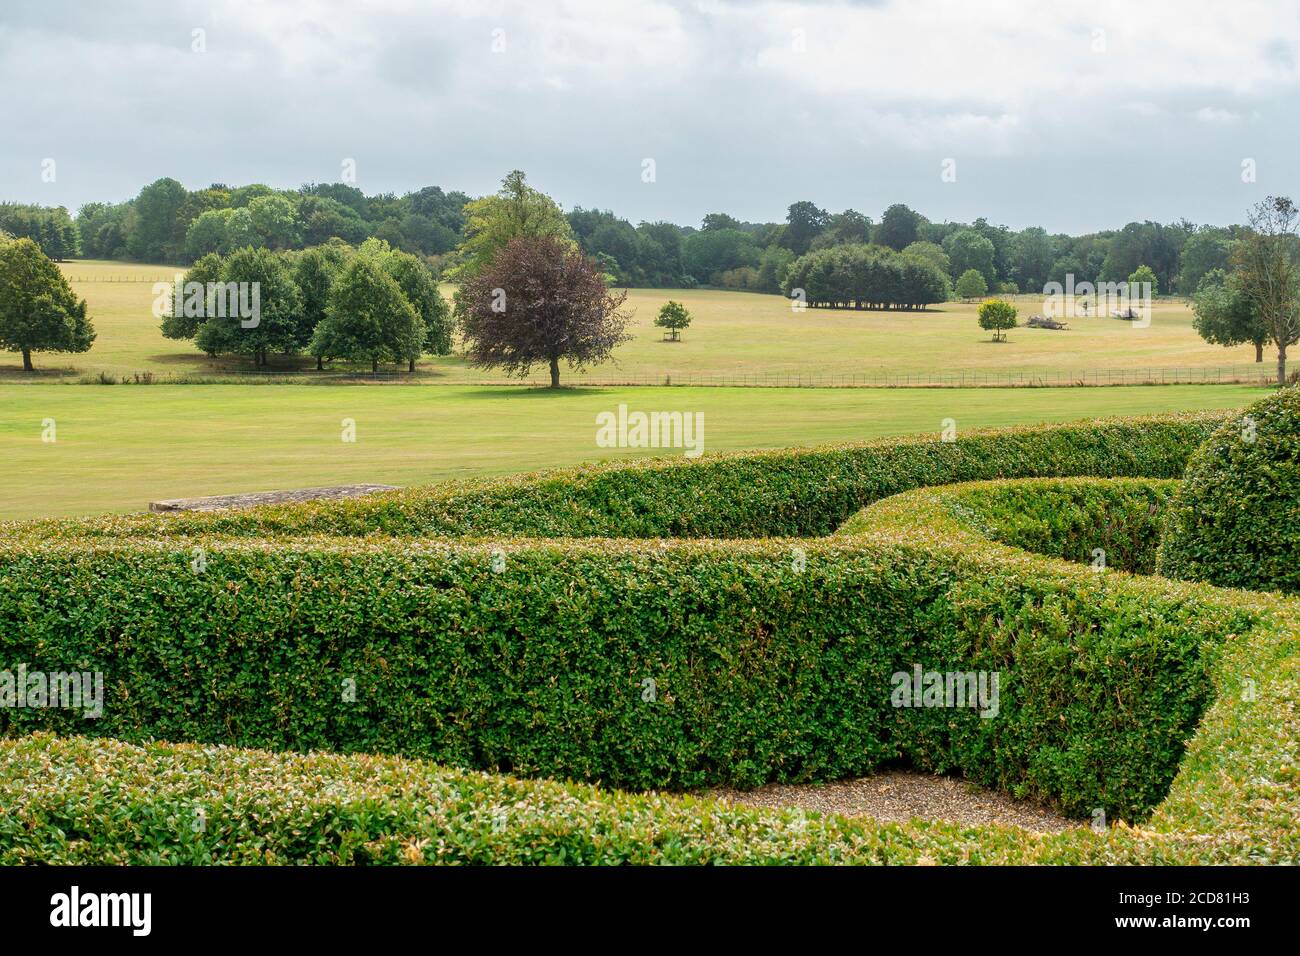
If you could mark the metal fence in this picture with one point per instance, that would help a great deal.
(1254, 374)
(156, 278)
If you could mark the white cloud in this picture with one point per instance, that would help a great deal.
(744, 105)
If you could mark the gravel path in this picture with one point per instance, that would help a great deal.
(898, 796)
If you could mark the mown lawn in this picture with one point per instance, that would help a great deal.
(119, 447)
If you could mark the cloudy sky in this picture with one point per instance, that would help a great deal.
(1066, 114)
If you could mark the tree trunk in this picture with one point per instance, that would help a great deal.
(374, 366)
(1259, 351)
(320, 360)
(27, 361)
(411, 368)
(555, 373)
(1281, 365)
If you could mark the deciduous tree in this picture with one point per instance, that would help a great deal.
(368, 318)
(674, 317)
(1224, 315)
(996, 316)
(1269, 274)
(540, 301)
(516, 211)
(38, 310)
(971, 284)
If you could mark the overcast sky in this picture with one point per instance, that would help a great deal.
(1071, 115)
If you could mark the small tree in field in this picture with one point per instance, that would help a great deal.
(1143, 274)
(997, 315)
(540, 300)
(38, 310)
(674, 317)
(971, 285)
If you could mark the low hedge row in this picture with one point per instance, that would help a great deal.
(792, 492)
(1104, 676)
(97, 802)
(1236, 520)
(1235, 799)
(637, 663)
(1115, 523)
(83, 801)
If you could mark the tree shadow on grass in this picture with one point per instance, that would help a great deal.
(534, 392)
(15, 373)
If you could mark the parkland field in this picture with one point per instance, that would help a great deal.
(736, 338)
(206, 426)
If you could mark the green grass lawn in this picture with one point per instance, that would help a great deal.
(736, 336)
(119, 447)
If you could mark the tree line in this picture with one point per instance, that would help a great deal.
(168, 223)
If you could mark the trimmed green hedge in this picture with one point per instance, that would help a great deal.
(630, 663)
(1104, 675)
(647, 664)
(97, 802)
(1072, 518)
(1236, 520)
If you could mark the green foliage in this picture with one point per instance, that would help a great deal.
(151, 225)
(368, 318)
(761, 669)
(899, 227)
(1267, 271)
(1071, 518)
(516, 211)
(38, 310)
(796, 492)
(50, 227)
(970, 249)
(673, 316)
(708, 254)
(176, 323)
(1236, 519)
(1224, 315)
(209, 233)
(932, 252)
(276, 221)
(314, 273)
(871, 277)
(996, 316)
(1206, 250)
(1031, 256)
(421, 290)
(1108, 675)
(1144, 274)
(1145, 243)
(804, 222)
(277, 326)
(971, 285)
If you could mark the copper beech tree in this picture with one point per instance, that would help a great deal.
(538, 301)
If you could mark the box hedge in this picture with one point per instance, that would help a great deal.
(1236, 520)
(637, 663)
